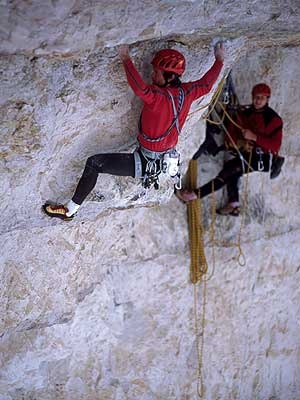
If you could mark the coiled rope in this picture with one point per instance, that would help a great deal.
(198, 260)
(198, 266)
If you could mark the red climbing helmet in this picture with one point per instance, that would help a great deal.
(261, 88)
(169, 60)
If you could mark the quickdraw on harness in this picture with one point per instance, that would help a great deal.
(160, 162)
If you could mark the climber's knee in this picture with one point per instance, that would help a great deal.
(227, 174)
(94, 164)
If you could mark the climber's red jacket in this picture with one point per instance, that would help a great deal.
(157, 114)
(265, 123)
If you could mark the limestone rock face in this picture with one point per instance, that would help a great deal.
(102, 308)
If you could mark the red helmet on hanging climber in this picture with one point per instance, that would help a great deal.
(169, 60)
(261, 88)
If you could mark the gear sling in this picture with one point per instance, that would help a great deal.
(156, 162)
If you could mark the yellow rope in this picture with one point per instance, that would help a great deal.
(212, 230)
(229, 116)
(200, 342)
(241, 257)
(198, 267)
(225, 113)
(216, 95)
(198, 261)
(203, 280)
(215, 122)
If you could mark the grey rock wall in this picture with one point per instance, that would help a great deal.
(102, 307)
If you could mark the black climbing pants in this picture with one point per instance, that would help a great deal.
(120, 164)
(232, 171)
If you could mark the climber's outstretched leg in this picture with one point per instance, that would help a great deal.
(121, 164)
(231, 171)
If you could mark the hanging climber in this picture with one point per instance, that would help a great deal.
(166, 103)
(256, 135)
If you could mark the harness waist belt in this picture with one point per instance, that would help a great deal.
(152, 154)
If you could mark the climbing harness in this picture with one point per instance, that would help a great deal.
(152, 166)
(137, 164)
(167, 162)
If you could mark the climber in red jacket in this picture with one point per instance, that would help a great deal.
(257, 134)
(166, 103)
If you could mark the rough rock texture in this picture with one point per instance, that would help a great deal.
(101, 308)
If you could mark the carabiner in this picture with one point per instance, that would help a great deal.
(260, 165)
(178, 184)
(225, 99)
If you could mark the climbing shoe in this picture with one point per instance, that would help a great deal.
(229, 210)
(57, 210)
(276, 166)
(185, 195)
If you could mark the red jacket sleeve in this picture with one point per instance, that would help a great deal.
(136, 82)
(204, 85)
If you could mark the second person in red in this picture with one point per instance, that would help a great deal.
(257, 135)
